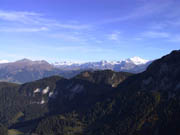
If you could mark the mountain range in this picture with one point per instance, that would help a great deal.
(130, 65)
(101, 102)
(26, 70)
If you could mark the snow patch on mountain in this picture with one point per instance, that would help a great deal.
(42, 101)
(43, 91)
(37, 90)
(51, 94)
(67, 63)
(46, 90)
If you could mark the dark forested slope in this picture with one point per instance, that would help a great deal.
(22, 105)
(146, 104)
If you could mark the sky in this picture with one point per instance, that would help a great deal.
(88, 30)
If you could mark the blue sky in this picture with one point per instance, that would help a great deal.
(88, 30)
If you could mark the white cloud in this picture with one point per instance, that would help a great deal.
(84, 49)
(67, 37)
(71, 26)
(38, 20)
(114, 36)
(138, 38)
(24, 17)
(99, 41)
(24, 29)
(155, 34)
(174, 22)
(158, 25)
(175, 38)
(168, 37)
(148, 8)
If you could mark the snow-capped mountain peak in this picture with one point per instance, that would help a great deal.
(66, 63)
(4, 61)
(137, 60)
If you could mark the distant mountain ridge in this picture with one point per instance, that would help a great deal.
(132, 65)
(26, 70)
(136, 60)
(104, 64)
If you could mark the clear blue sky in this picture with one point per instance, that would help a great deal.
(88, 30)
